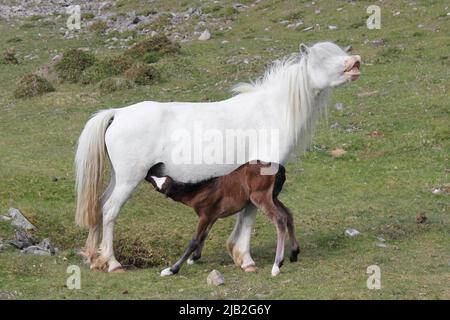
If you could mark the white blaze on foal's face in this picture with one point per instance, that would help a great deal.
(329, 66)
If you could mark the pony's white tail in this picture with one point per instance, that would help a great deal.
(89, 164)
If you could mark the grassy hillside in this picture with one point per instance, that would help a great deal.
(394, 127)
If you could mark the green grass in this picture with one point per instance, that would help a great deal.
(378, 187)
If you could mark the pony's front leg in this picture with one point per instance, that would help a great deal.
(238, 243)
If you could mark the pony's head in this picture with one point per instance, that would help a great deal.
(329, 66)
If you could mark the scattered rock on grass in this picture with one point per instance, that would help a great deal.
(215, 278)
(19, 220)
(205, 35)
(350, 232)
(338, 152)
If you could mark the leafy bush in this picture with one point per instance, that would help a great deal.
(9, 57)
(73, 63)
(142, 74)
(32, 85)
(112, 84)
(105, 68)
(159, 44)
(98, 27)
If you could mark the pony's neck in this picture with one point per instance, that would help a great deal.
(302, 107)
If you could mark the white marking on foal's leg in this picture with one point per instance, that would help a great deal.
(159, 181)
(275, 270)
(190, 261)
(166, 272)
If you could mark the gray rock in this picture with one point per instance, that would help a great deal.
(5, 218)
(21, 240)
(215, 278)
(19, 220)
(205, 35)
(339, 106)
(381, 245)
(377, 42)
(350, 232)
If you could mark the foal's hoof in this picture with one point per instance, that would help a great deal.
(166, 272)
(190, 261)
(275, 271)
(294, 255)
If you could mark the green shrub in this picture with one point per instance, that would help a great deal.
(142, 74)
(152, 57)
(9, 57)
(112, 84)
(73, 63)
(105, 68)
(87, 16)
(158, 44)
(98, 27)
(32, 85)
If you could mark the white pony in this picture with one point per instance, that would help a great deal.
(135, 138)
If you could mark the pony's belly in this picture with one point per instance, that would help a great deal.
(197, 172)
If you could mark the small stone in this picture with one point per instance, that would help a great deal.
(308, 29)
(338, 152)
(339, 106)
(5, 218)
(19, 220)
(332, 27)
(335, 125)
(381, 239)
(205, 35)
(436, 191)
(381, 245)
(350, 232)
(377, 42)
(215, 278)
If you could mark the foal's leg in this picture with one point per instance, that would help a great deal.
(295, 248)
(238, 244)
(196, 255)
(204, 224)
(278, 217)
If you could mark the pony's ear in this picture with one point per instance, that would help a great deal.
(348, 48)
(303, 49)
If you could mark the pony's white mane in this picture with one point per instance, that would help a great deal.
(288, 78)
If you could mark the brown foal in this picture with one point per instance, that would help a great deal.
(224, 196)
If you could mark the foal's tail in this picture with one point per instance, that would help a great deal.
(89, 163)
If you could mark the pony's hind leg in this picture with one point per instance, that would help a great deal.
(90, 250)
(238, 244)
(123, 188)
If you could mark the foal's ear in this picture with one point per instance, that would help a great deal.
(303, 49)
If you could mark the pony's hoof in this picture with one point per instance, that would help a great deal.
(118, 269)
(166, 272)
(251, 268)
(275, 271)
